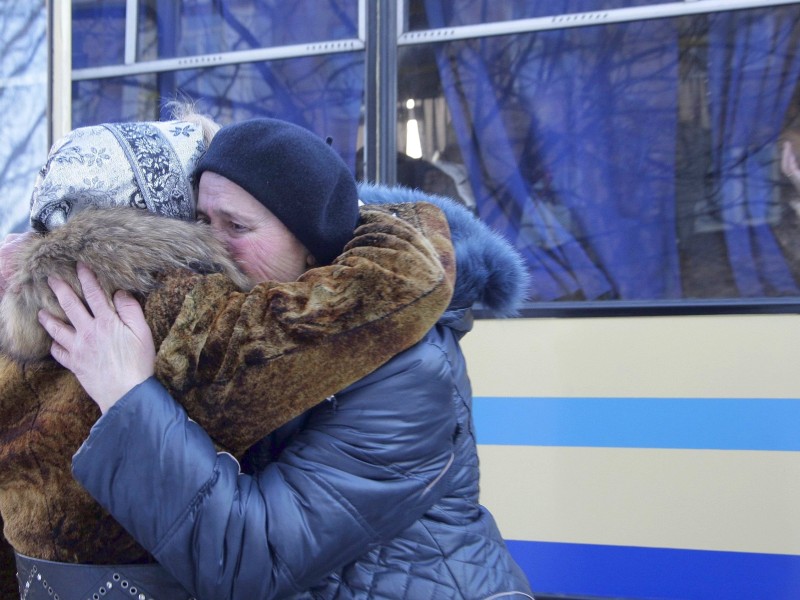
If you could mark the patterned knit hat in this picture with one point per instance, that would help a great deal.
(146, 165)
(295, 175)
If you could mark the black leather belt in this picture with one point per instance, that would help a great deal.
(47, 580)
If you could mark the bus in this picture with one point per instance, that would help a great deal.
(638, 421)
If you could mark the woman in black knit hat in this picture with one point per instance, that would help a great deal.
(372, 493)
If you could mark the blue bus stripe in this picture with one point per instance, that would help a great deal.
(663, 573)
(684, 423)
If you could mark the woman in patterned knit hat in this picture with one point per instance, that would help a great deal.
(243, 355)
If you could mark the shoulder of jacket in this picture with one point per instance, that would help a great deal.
(427, 358)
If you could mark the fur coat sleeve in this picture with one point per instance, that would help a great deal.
(245, 363)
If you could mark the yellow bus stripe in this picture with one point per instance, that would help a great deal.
(745, 501)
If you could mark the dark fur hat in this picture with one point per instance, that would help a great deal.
(294, 174)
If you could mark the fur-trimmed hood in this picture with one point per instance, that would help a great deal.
(489, 271)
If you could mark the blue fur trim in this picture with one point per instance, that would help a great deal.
(489, 271)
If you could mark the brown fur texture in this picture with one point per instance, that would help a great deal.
(241, 362)
(92, 238)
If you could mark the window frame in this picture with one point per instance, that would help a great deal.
(611, 308)
(133, 67)
(382, 30)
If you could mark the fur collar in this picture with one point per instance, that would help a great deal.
(489, 271)
(126, 247)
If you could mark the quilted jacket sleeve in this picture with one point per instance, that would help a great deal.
(243, 364)
(363, 469)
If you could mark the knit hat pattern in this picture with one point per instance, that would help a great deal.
(145, 165)
(295, 175)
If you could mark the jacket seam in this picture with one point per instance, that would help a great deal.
(196, 501)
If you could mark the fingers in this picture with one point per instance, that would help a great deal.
(63, 336)
(74, 308)
(61, 356)
(126, 304)
(131, 314)
(95, 297)
(70, 302)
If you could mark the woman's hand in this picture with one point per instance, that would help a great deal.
(108, 347)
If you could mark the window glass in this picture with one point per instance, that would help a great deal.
(23, 98)
(430, 14)
(98, 33)
(129, 98)
(638, 161)
(322, 93)
(169, 28)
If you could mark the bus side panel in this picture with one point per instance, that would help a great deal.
(654, 457)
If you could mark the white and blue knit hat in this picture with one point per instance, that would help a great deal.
(146, 165)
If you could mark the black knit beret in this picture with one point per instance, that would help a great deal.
(293, 173)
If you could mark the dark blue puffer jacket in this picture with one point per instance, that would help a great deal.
(371, 494)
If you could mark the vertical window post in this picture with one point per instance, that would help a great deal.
(380, 128)
(59, 81)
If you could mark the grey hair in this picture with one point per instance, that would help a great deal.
(185, 110)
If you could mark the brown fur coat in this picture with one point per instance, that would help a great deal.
(241, 362)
